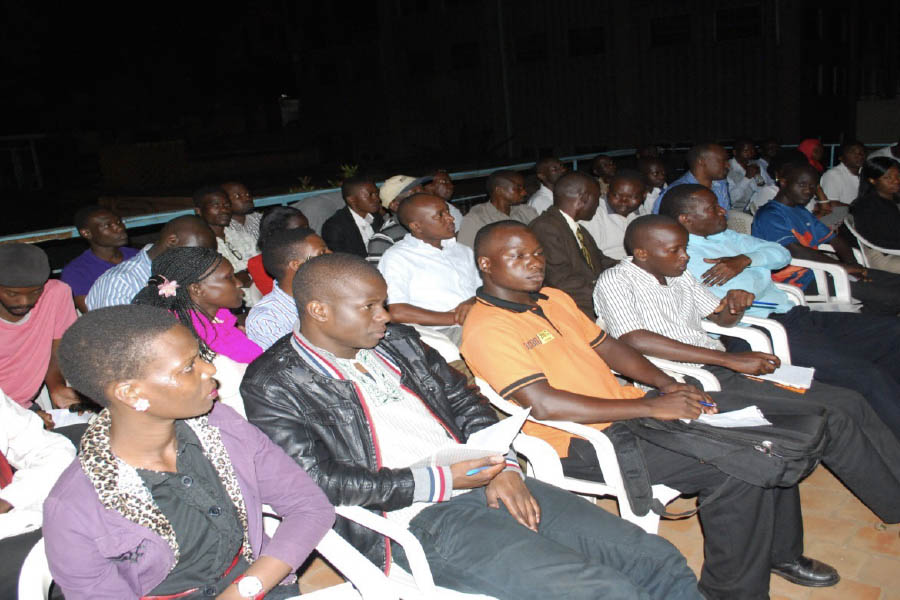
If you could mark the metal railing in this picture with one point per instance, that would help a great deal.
(133, 222)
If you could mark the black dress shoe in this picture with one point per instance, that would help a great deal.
(809, 572)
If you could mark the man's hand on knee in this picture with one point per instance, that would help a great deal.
(508, 487)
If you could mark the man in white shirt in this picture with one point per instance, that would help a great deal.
(548, 169)
(744, 175)
(38, 457)
(841, 183)
(653, 169)
(626, 195)
(431, 277)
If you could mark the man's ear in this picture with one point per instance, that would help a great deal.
(171, 241)
(414, 228)
(684, 219)
(639, 254)
(293, 265)
(484, 264)
(317, 310)
(85, 233)
(197, 211)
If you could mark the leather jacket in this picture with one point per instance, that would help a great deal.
(320, 422)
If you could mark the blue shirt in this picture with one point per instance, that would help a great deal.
(121, 283)
(785, 225)
(719, 188)
(271, 318)
(81, 272)
(756, 278)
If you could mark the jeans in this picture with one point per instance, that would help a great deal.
(579, 551)
(856, 351)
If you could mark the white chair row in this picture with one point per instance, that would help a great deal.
(865, 244)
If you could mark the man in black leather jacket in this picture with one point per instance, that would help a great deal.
(353, 400)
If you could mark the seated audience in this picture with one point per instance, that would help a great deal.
(393, 191)
(621, 206)
(654, 172)
(786, 221)
(211, 204)
(708, 166)
(875, 214)
(165, 499)
(603, 168)
(484, 527)
(533, 345)
(31, 460)
(768, 149)
(442, 186)
(743, 174)
(34, 313)
(106, 235)
(431, 277)
(841, 183)
(548, 169)
(119, 284)
(814, 152)
(277, 218)
(199, 287)
(762, 195)
(573, 259)
(244, 219)
(855, 351)
(351, 228)
(506, 197)
(892, 152)
(285, 251)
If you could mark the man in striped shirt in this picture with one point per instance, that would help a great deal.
(119, 284)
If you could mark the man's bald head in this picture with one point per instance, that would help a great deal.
(412, 207)
(577, 195)
(322, 278)
(188, 231)
(642, 232)
(501, 178)
(491, 236)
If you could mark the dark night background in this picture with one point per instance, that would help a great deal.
(150, 100)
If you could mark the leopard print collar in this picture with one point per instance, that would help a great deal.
(120, 488)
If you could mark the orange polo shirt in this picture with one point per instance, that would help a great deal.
(513, 345)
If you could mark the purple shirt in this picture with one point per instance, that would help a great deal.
(223, 336)
(95, 553)
(81, 272)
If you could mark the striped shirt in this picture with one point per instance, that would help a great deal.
(627, 298)
(271, 318)
(119, 284)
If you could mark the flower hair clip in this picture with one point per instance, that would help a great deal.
(167, 288)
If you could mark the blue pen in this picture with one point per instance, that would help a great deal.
(471, 472)
(709, 404)
(759, 303)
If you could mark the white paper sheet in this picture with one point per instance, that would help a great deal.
(789, 375)
(62, 417)
(749, 416)
(489, 441)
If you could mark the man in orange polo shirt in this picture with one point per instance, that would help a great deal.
(534, 346)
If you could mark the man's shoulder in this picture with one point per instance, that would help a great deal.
(547, 220)
(339, 217)
(525, 212)
(56, 293)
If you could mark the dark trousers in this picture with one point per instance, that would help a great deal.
(881, 295)
(579, 551)
(14, 550)
(861, 450)
(856, 351)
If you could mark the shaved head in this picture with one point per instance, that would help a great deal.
(490, 236)
(642, 231)
(410, 208)
(324, 277)
(187, 231)
(570, 186)
(502, 178)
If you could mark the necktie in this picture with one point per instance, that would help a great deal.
(584, 251)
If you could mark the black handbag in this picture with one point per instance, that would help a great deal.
(777, 455)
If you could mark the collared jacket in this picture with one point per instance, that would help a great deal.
(95, 552)
(320, 422)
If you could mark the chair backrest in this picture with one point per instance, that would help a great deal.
(34, 577)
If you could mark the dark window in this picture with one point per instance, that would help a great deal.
(670, 31)
(738, 23)
(421, 63)
(464, 55)
(587, 41)
(531, 47)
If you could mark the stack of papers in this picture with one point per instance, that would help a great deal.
(797, 378)
(749, 416)
(490, 441)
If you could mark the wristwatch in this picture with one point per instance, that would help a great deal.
(249, 587)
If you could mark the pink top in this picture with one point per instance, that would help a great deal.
(223, 336)
(25, 345)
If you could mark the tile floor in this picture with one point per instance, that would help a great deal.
(839, 530)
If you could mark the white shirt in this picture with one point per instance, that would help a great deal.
(764, 170)
(628, 298)
(542, 199)
(650, 201)
(420, 274)
(840, 184)
(39, 458)
(573, 226)
(886, 151)
(364, 225)
(740, 187)
(762, 195)
(608, 230)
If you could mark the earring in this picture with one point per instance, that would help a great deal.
(141, 405)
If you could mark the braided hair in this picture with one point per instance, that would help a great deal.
(172, 272)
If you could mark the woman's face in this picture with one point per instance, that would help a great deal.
(177, 383)
(888, 184)
(818, 152)
(221, 289)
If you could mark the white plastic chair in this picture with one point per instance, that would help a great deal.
(824, 300)
(864, 244)
(776, 342)
(34, 577)
(544, 463)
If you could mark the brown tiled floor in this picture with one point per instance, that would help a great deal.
(839, 530)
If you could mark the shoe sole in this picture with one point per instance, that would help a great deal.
(807, 582)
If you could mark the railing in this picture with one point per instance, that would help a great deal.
(134, 222)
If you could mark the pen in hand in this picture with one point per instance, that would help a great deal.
(471, 472)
